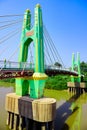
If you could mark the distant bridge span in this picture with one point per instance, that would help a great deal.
(9, 69)
(14, 73)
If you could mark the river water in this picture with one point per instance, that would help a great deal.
(71, 113)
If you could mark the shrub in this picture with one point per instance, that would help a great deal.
(58, 82)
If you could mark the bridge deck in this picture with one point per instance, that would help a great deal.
(16, 72)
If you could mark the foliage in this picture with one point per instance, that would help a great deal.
(58, 82)
(83, 67)
(58, 64)
(8, 80)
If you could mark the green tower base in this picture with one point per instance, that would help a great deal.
(37, 88)
(37, 84)
(22, 87)
(76, 78)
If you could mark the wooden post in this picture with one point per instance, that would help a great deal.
(50, 125)
(29, 124)
(11, 120)
(16, 122)
(8, 118)
(22, 123)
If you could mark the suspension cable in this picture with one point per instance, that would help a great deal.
(15, 33)
(53, 46)
(14, 52)
(50, 47)
(47, 50)
(10, 33)
(49, 42)
(47, 60)
(8, 21)
(46, 53)
(7, 25)
(11, 56)
(12, 20)
(7, 37)
(10, 15)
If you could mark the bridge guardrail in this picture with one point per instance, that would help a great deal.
(11, 64)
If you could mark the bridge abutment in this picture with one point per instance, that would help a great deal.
(76, 87)
(25, 112)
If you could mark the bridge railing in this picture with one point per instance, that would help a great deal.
(53, 67)
(11, 64)
(27, 66)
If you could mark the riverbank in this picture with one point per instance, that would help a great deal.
(6, 84)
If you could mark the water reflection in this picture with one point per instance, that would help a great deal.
(70, 115)
(3, 92)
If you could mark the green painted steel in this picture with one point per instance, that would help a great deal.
(38, 40)
(35, 83)
(73, 63)
(25, 42)
(22, 87)
(76, 65)
(5, 63)
(37, 88)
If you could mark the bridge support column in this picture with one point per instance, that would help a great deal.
(37, 84)
(22, 86)
(76, 66)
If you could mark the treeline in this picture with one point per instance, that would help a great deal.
(58, 82)
(83, 67)
(8, 80)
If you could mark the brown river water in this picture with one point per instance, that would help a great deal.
(71, 113)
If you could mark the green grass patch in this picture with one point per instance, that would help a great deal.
(6, 84)
(57, 94)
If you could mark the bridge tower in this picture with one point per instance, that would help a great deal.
(27, 112)
(76, 85)
(32, 85)
(76, 66)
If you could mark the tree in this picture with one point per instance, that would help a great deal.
(58, 64)
(83, 66)
(58, 82)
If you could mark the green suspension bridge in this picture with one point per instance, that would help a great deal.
(36, 45)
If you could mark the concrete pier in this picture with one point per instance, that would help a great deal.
(76, 87)
(30, 114)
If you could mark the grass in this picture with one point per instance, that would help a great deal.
(6, 84)
(57, 94)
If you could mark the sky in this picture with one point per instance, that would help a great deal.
(65, 20)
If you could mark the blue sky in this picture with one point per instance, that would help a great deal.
(65, 20)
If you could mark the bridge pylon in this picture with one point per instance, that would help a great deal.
(76, 67)
(28, 112)
(32, 85)
(76, 85)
